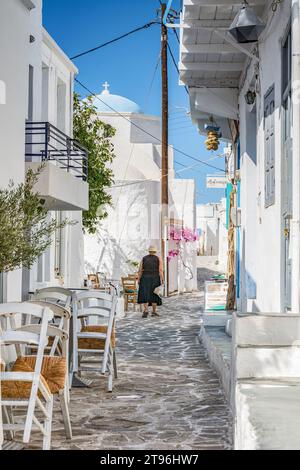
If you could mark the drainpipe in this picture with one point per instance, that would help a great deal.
(295, 32)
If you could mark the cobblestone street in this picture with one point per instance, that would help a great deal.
(166, 397)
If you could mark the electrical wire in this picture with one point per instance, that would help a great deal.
(152, 80)
(176, 66)
(131, 183)
(176, 34)
(172, 129)
(145, 26)
(146, 132)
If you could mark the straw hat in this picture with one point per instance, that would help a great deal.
(152, 249)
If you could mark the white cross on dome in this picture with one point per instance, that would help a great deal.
(106, 86)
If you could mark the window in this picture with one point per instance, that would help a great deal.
(58, 247)
(287, 126)
(61, 105)
(269, 124)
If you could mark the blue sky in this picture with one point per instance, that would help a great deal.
(129, 66)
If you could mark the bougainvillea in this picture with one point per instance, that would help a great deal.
(183, 234)
(178, 235)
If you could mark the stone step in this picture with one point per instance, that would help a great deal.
(265, 329)
(270, 362)
(268, 414)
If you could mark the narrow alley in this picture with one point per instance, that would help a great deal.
(166, 397)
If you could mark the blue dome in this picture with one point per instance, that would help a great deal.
(108, 103)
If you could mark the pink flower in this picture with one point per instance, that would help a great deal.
(172, 254)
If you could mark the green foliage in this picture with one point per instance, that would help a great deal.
(26, 230)
(132, 263)
(95, 136)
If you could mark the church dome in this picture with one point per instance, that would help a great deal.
(108, 103)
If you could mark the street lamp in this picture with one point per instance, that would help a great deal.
(246, 26)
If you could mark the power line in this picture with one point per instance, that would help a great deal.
(187, 167)
(176, 34)
(149, 180)
(143, 130)
(176, 66)
(179, 118)
(182, 127)
(145, 26)
(152, 80)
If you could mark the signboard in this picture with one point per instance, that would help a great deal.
(216, 181)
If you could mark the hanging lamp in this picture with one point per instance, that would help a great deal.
(246, 26)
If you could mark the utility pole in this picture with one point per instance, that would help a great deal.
(165, 142)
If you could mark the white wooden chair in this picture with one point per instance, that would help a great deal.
(58, 351)
(23, 387)
(62, 297)
(56, 295)
(95, 339)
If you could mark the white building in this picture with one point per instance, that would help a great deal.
(251, 90)
(212, 225)
(37, 78)
(134, 220)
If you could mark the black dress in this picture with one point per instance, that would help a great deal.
(149, 281)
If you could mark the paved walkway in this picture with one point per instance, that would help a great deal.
(166, 397)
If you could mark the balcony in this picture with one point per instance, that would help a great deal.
(63, 181)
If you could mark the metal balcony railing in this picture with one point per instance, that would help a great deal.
(45, 142)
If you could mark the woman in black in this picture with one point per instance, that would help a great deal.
(150, 276)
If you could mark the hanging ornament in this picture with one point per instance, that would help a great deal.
(213, 135)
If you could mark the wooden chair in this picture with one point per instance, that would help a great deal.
(62, 297)
(58, 351)
(95, 339)
(94, 280)
(56, 295)
(23, 386)
(130, 291)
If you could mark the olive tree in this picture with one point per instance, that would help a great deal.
(26, 230)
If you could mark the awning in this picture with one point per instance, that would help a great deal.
(211, 63)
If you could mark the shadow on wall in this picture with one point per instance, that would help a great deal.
(211, 242)
(248, 285)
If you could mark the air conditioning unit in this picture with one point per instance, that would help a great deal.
(236, 216)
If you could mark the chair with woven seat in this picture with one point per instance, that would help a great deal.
(130, 291)
(56, 295)
(56, 355)
(94, 279)
(95, 339)
(21, 387)
(62, 297)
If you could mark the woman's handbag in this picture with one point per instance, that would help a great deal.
(159, 291)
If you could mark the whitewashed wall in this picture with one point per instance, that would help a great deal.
(15, 28)
(262, 286)
(183, 207)
(133, 221)
(53, 68)
(211, 220)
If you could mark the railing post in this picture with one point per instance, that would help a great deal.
(85, 167)
(47, 139)
(69, 143)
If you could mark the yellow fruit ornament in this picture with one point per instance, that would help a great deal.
(213, 135)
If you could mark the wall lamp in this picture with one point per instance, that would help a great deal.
(246, 26)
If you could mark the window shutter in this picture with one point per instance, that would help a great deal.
(269, 116)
